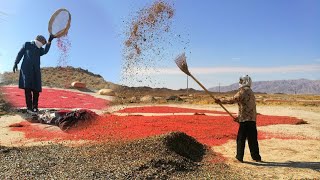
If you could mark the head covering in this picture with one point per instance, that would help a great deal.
(245, 81)
(41, 39)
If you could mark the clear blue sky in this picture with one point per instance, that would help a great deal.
(269, 40)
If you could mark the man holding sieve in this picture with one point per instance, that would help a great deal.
(30, 73)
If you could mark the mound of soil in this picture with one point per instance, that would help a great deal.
(171, 156)
(57, 77)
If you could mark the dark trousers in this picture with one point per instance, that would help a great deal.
(248, 130)
(32, 98)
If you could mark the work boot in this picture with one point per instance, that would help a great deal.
(30, 111)
(257, 160)
(35, 107)
(35, 110)
(239, 160)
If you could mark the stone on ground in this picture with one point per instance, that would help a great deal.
(148, 99)
(174, 98)
(106, 92)
(78, 84)
(133, 99)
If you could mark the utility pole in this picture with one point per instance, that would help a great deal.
(187, 85)
(219, 87)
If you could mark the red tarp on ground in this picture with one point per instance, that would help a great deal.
(54, 98)
(210, 130)
(166, 109)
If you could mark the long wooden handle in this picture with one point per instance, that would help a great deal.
(206, 90)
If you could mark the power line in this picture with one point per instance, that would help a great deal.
(3, 13)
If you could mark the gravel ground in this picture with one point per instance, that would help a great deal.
(170, 156)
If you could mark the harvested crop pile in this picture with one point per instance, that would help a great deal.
(150, 158)
(210, 130)
(4, 106)
(185, 146)
(53, 98)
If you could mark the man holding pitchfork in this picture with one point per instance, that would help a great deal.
(246, 118)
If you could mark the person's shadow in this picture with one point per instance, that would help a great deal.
(292, 164)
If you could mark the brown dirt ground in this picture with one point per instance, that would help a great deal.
(295, 158)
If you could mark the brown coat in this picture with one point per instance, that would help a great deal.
(247, 104)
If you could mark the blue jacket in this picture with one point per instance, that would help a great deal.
(30, 73)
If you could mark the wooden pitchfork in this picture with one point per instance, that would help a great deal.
(181, 62)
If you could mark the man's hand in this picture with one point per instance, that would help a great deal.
(15, 68)
(51, 38)
(218, 101)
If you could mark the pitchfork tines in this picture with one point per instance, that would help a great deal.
(181, 62)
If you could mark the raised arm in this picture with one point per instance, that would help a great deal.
(45, 50)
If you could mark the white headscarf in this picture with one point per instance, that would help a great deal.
(246, 81)
(38, 43)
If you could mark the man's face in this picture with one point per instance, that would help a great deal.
(240, 81)
(43, 42)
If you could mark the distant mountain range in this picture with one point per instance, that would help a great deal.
(299, 86)
(57, 77)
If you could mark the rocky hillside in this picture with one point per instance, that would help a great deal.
(63, 77)
(299, 86)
